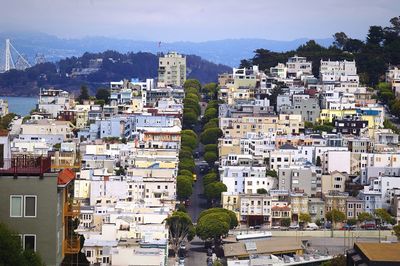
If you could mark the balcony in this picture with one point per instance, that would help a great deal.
(72, 209)
(72, 245)
(25, 165)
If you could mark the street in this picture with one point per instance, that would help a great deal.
(196, 253)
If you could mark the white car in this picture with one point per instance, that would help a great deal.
(294, 226)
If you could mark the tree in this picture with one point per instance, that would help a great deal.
(193, 97)
(396, 230)
(84, 94)
(6, 120)
(189, 141)
(210, 113)
(209, 178)
(103, 94)
(262, 191)
(211, 89)
(210, 136)
(192, 91)
(383, 215)
(213, 190)
(213, 123)
(11, 252)
(351, 221)
(285, 222)
(318, 222)
(335, 216)
(340, 39)
(186, 164)
(192, 83)
(185, 172)
(210, 157)
(185, 154)
(364, 216)
(189, 132)
(318, 162)
(189, 118)
(180, 229)
(211, 147)
(184, 188)
(233, 222)
(272, 173)
(213, 226)
(304, 218)
(375, 35)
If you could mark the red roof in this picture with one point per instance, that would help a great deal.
(65, 176)
(278, 208)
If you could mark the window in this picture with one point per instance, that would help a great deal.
(15, 206)
(106, 259)
(30, 242)
(88, 253)
(30, 206)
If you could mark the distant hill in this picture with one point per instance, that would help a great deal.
(228, 52)
(72, 72)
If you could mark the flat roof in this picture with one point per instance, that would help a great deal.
(268, 246)
(380, 251)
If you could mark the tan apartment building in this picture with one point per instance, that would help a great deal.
(172, 69)
(282, 124)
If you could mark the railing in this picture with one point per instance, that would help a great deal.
(72, 245)
(72, 209)
(25, 165)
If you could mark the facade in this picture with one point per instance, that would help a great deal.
(39, 207)
(172, 69)
(255, 209)
(297, 66)
(3, 107)
(52, 101)
(354, 207)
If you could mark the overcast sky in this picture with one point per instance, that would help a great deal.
(197, 20)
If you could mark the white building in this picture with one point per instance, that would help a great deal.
(297, 66)
(52, 101)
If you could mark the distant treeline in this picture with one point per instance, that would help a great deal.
(373, 56)
(115, 66)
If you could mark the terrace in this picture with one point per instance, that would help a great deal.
(25, 165)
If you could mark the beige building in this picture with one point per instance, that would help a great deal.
(47, 128)
(172, 69)
(282, 124)
(335, 181)
(299, 203)
(336, 200)
(255, 209)
(354, 207)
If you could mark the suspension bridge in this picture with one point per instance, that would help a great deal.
(11, 58)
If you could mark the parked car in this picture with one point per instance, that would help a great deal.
(369, 226)
(311, 227)
(348, 227)
(386, 227)
(294, 226)
(276, 227)
(257, 227)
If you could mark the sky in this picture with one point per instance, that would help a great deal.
(196, 20)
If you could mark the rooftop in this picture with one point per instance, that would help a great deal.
(268, 246)
(380, 251)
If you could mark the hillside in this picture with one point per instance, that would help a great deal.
(67, 73)
(373, 56)
(227, 51)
